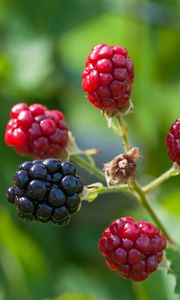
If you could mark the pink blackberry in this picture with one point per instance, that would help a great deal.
(134, 249)
(107, 77)
(173, 142)
(37, 131)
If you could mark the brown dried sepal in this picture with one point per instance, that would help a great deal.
(121, 168)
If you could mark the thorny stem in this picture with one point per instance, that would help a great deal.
(173, 171)
(88, 166)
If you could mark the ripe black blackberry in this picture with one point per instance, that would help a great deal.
(46, 190)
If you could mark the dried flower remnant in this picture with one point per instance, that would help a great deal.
(121, 168)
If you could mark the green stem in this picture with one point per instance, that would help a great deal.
(93, 190)
(138, 191)
(121, 188)
(88, 166)
(141, 197)
(155, 183)
(124, 132)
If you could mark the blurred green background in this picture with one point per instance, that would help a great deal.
(43, 46)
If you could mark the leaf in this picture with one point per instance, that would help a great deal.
(173, 255)
(74, 297)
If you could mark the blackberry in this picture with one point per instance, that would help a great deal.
(61, 215)
(173, 142)
(21, 178)
(56, 177)
(56, 197)
(25, 205)
(68, 168)
(134, 249)
(43, 212)
(52, 165)
(26, 165)
(107, 78)
(37, 189)
(79, 184)
(37, 131)
(46, 190)
(38, 171)
(10, 194)
(69, 184)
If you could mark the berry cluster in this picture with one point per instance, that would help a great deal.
(46, 190)
(134, 249)
(173, 142)
(36, 130)
(107, 77)
(50, 190)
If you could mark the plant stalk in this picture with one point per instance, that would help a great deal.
(88, 166)
(155, 183)
(121, 188)
(138, 191)
(141, 197)
(124, 132)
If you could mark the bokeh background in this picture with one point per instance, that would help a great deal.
(43, 46)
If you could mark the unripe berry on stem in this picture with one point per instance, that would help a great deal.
(134, 249)
(35, 130)
(108, 77)
(173, 142)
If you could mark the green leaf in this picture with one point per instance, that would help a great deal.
(173, 255)
(74, 297)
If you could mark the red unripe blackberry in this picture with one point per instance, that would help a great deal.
(37, 131)
(173, 142)
(134, 249)
(108, 77)
(46, 190)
